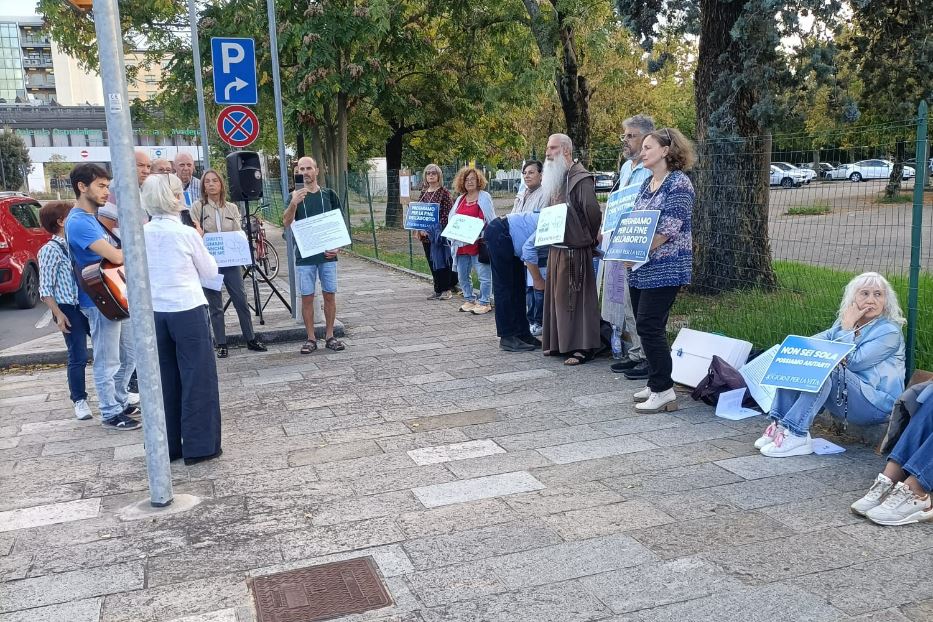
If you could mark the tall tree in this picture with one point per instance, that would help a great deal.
(740, 67)
(560, 29)
(889, 46)
(14, 161)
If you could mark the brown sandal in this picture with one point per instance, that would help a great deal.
(333, 344)
(309, 347)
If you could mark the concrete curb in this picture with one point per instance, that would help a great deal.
(277, 335)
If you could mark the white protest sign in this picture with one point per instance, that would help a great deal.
(230, 248)
(551, 225)
(320, 233)
(464, 228)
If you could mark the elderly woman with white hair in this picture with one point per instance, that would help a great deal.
(863, 387)
(178, 263)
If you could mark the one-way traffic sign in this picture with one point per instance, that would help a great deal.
(234, 62)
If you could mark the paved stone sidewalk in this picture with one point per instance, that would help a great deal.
(487, 486)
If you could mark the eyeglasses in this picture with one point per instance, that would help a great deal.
(629, 136)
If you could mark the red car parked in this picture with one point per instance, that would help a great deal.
(21, 237)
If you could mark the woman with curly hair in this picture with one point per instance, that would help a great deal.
(474, 201)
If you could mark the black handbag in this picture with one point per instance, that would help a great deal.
(483, 256)
(720, 378)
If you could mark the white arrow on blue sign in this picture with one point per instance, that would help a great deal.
(234, 61)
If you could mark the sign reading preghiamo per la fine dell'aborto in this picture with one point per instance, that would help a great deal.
(633, 236)
(422, 216)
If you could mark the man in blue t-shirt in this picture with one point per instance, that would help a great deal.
(88, 243)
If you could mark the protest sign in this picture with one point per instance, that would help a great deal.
(804, 363)
(320, 233)
(551, 225)
(230, 248)
(633, 237)
(422, 216)
(464, 228)
(619, 203)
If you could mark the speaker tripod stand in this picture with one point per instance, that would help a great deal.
(257, 274)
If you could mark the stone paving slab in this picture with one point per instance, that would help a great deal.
(488, 486)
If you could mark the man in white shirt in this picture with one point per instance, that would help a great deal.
(632, 173)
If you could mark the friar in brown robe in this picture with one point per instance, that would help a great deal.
(571, 305)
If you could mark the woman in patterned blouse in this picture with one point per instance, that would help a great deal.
(436, 248)
(59, 291)
(654, 286)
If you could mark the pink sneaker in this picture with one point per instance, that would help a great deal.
(767, 436)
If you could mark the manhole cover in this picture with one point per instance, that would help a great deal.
(320, 592)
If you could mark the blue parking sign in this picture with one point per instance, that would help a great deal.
(234, 61)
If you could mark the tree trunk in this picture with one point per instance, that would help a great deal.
(300, 144)
(573, 90)
(893, 187)
(393, 166)
(730, 220)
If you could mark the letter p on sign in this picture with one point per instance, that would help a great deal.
(230, 54)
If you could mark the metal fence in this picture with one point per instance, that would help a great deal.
(825, 224)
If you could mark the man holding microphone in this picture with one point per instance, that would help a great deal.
(310, 199)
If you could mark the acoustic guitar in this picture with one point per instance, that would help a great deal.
(105, 283)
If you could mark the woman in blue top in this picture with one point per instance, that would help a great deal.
(863, 387)
(654, 285)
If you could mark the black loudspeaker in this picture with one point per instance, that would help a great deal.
(245, 176)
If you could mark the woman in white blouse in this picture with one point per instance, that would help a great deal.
(178, 263)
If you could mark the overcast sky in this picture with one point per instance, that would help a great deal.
(16, 7)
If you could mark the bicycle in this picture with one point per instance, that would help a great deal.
(267, 257)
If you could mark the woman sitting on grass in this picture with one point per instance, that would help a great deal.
(863, 387)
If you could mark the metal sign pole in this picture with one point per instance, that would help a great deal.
(123, 160)
(199, 82)
(283, 169)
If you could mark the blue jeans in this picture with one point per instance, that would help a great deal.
(114, 360)
(76, 341)
(796, 410)
(914, 449)
(466, 263)
(534, 303)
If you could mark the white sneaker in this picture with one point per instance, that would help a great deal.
(901, 507)
(82, 410)
(665, 401)
(874, 496)
(535, 330)
(767, 436)
(786, 444)
(132, 399)
(642, 395)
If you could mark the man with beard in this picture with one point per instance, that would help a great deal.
(619, 312)
(571, 305)
(89, 242)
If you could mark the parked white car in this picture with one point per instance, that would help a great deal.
(870, 169)
(787, 179)
(809, 174)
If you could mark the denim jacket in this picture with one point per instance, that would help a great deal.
(489, 214)
(878, 359)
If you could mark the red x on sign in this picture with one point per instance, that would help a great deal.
(238, 126)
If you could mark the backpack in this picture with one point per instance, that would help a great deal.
(720, 378)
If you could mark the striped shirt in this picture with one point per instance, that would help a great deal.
(56, 278)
